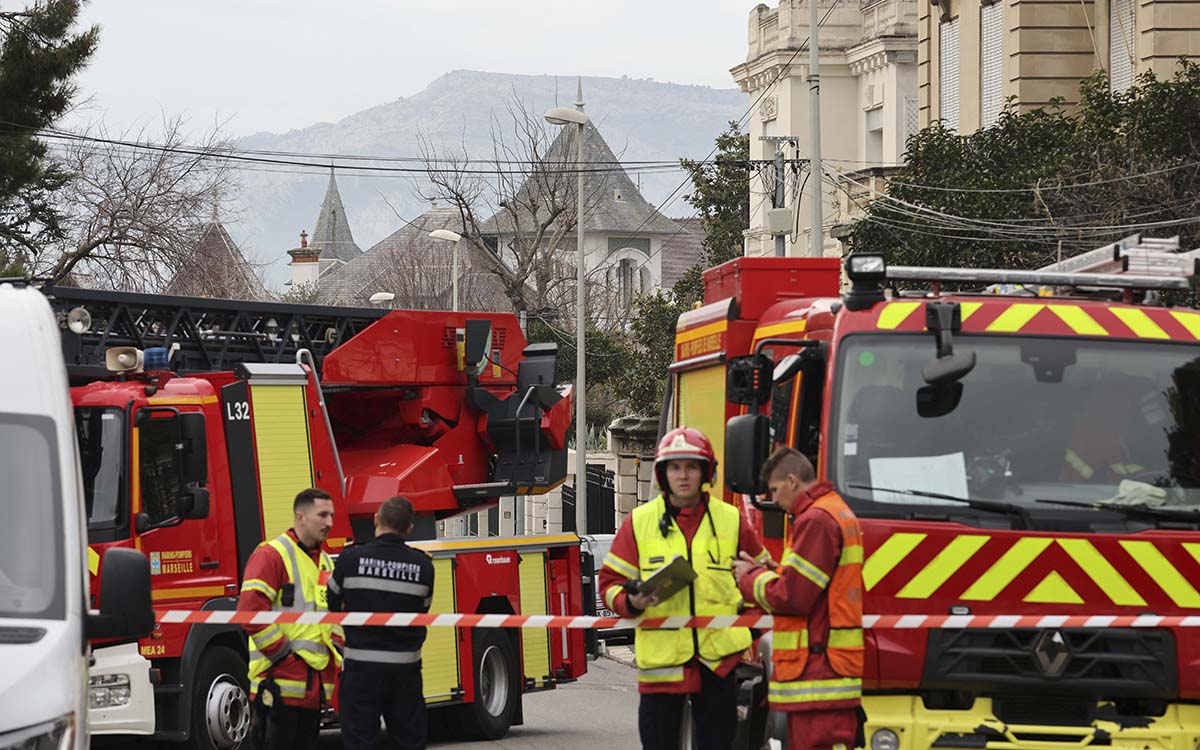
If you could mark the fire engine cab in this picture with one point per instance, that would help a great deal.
(199, 421)
(1026, 445)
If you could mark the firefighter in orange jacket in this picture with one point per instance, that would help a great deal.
(675, 665)
(293, 666)
(816, 596)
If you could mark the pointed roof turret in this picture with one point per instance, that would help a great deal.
(332, 235)
(612, 203)
(217, 268)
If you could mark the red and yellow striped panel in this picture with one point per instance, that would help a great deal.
(979, 567)
(1053, 318)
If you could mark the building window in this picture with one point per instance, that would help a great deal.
(874, 137)
(1122, 43)
(948, 73)
(991, 62)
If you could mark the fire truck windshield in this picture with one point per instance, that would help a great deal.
(31, 543)
(101, 457)
(1038, 418)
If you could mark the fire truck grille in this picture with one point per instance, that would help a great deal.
(1093, 662)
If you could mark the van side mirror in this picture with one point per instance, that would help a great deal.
(125, 610)
(747, 445)
(194, 438)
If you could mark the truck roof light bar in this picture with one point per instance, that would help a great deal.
(1001, 276)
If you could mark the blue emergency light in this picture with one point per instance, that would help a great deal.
(155, 358)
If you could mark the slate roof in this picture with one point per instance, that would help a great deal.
(417, 270)
(332, 233)
(612, 201)
(217, 269)
(681, 252)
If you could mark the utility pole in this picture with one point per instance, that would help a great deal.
(779, 198)
(780, 195)
(814, 105)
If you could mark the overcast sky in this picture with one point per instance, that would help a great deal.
(277, 65)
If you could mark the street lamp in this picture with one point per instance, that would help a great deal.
(565, 116)
(446, 235)
(378, 298)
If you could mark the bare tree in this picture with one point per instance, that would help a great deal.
(518, 208)
(134, 211)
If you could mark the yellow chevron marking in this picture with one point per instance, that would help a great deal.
(1078, 320)
(1190, 321)
(1102, 573)
(1015, 317)
(1140, 323)
(93, 561)
(895, 314)
(940, 568)
(1163, 572)
(890, 554)
(1193, 549)
(1053, 590)
(969, 309)
(1008, 567)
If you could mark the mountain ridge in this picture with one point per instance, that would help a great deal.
(641, 119)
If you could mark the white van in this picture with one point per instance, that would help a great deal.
(45, 618)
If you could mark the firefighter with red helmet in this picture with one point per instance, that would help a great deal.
(696, 664)
(816, 597)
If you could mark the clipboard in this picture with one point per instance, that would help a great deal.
(669, 580)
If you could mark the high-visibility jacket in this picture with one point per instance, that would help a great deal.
(662, 653)
(815, 594)
(305, 586)
(791, 642)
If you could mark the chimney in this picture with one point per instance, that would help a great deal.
(305, 263)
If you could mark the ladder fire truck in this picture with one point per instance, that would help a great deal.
(1030, 448)
(199, 420)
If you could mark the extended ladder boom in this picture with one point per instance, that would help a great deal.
(212, 334)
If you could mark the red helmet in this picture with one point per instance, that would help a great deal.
(684, 443)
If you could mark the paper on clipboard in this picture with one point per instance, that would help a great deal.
(669, 580)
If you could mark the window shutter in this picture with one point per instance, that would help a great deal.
(991, 62)
(1122, 43)
(948, 73)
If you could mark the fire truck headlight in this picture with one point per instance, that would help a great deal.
(864, 267)
(885, 739)
(108, 690)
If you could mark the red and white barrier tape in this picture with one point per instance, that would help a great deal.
(761, 622)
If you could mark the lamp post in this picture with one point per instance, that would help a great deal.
(445, 235)
(378, 298)
(565, 116)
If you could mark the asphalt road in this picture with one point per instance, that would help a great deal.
(600, 710)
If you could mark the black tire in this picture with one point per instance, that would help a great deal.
(220, 701)
(497, 687)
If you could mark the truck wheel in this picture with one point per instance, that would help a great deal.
(497, 687)
(220, 701)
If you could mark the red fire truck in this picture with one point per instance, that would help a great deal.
(1031, 449)
(199, 420)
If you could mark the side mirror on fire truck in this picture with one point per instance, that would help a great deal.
(747, 444)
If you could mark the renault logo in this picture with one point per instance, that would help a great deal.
(1051, 652)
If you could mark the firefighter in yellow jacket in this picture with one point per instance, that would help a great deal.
(678, 665)
(293, 667)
